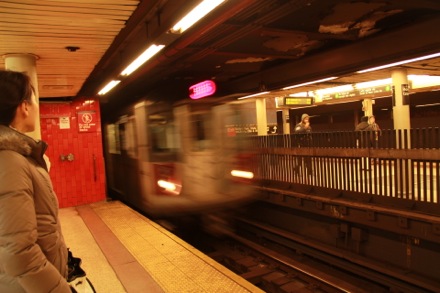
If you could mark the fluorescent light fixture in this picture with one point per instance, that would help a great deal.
(373, 83)
(242, 174)
(254, 95)
(309, 82)
(195, 15)
(144, 57)
(400, 63)
(108, 87)
(428, 105)
(421, 81)
(302, 94)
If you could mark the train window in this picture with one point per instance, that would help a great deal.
(162, 133)
(130, 139)
(113, 143)
(201, 129)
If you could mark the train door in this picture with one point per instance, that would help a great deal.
(73, 133)
(121, 158)
(127, 173)
(157, 146)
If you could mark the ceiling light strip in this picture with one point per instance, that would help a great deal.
(195, 15)
(399, 63)
(144, 57)
(253, 95)
(108, 87)
(309, 82)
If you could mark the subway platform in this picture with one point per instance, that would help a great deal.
(123, 251)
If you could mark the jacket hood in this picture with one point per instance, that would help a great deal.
(12, 140)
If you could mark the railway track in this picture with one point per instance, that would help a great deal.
(275, 263)
(268, 265)
(277, 260)
(273, 270)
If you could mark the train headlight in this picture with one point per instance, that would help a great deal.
(242, 174)
(169, 187)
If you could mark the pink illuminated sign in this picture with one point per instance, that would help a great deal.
(202, 89)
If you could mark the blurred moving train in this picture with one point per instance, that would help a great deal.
(171, 160)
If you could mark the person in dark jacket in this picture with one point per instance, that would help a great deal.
(304, 125)
(304, 139)
(361, 138)
(33, 254)
(363, 125)
(375, 131)
(304, 128)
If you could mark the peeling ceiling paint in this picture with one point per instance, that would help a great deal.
(247, 60)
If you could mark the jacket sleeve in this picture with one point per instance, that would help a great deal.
(20, 256)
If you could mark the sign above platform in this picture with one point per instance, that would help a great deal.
(202, 89)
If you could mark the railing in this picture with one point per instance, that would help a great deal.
(393, 163)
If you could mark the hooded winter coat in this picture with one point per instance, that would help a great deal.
(363, 125)
(33, 255)
(301, 127)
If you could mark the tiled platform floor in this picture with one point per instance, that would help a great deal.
(122, 251)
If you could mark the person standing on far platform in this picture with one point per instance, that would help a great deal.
(304, 125)
(33, 255)
(361, 138)
(304, 130)
(376, 131)
(363, 125)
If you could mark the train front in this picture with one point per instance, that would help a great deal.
(189, 159)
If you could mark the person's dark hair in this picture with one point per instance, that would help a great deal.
(15, 88)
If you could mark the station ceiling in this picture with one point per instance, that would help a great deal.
(245, 46)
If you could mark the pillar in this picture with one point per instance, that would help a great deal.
(401, 116)
(367, 107)
(260, 106)
(401, 120)
(26, 63)
(286, 123)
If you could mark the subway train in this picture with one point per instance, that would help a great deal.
(177, 159)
